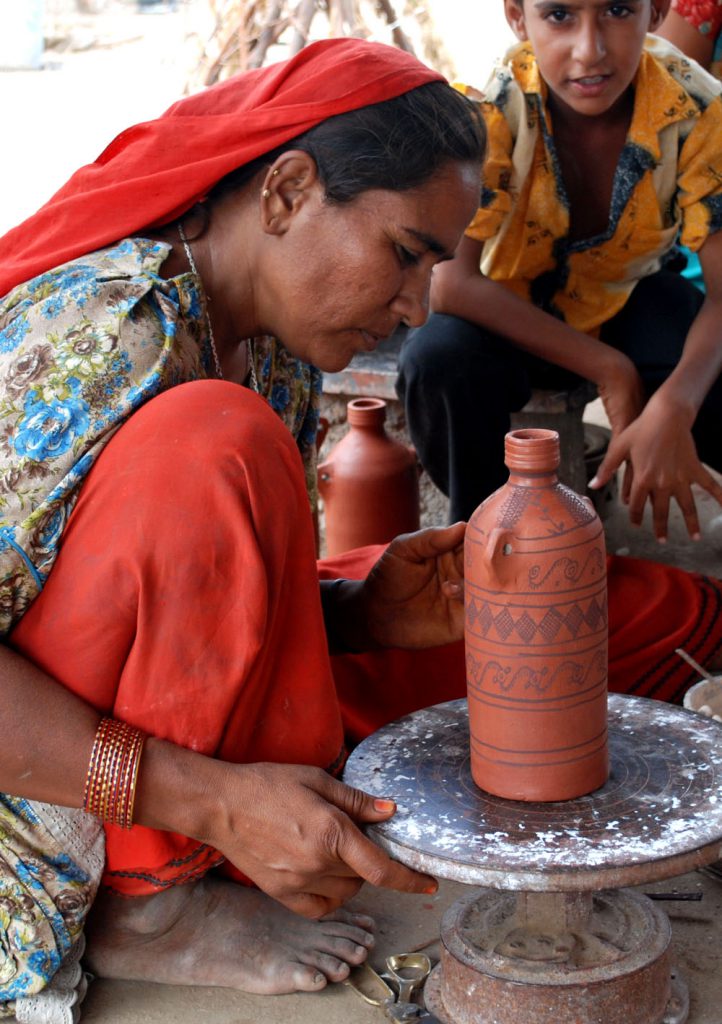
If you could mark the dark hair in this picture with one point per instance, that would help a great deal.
(397, 144)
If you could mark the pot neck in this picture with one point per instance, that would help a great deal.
(532, 457)
(540, 479)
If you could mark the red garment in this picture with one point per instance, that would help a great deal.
(705, 15)
(153, 172)
(652, 610)
(185, 601)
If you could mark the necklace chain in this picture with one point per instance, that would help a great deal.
(249, 343)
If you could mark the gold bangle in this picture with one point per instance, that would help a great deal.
(112, 776)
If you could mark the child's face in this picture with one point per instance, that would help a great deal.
(588, 50)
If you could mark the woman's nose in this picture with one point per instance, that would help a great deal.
(412, 302)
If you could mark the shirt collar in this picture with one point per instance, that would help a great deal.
(660, 100)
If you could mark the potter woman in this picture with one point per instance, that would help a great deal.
(171, 728)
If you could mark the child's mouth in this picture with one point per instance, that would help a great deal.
(589, 85)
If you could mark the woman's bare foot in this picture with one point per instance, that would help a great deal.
(216, 932)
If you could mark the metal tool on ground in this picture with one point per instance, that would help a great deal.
(553, 936)
(393, 992)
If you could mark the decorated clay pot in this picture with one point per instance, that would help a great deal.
(369, 482)
(536, 632)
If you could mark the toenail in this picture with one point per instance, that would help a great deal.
(361, 950)
(369, 939)
(318, 978)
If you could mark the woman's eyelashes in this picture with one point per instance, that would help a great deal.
(407, 257)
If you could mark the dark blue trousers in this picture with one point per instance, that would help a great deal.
(459, 384)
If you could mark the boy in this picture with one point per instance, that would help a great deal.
(605, 146)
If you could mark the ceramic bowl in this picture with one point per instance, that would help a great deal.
(705, 697)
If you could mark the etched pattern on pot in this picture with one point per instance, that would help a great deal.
(536, 634)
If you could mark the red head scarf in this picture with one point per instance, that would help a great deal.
(153, 172)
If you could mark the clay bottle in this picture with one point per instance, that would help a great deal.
(536, 632)
(369, 482)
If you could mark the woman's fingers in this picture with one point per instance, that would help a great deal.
(373, 865)
(366, 859)
(359, 806)
(430, 543)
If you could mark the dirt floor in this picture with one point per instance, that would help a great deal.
(106, 72)
(405, 923)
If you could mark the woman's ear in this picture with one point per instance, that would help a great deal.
(659, 11)
(289, 183)
(514, 11)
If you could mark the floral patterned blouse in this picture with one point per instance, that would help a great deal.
(667, 187)
(81, 347)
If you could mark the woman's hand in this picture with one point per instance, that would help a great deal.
(292, 830)
(659, 448)
(414, 595)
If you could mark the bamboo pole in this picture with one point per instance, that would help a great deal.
(301, 21)
(245, 30)
(272, 28)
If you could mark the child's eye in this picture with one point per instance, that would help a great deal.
(620, 10)
(407, 257)
(557, 15)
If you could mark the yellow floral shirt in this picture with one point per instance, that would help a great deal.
(667, 187)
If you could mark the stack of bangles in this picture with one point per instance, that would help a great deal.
(113, 772)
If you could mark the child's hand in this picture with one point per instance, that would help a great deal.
(622, 393)
(661, 454)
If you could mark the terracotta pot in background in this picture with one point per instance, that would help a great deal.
(369, 482)
(536, 632)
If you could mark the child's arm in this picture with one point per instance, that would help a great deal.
(659, 443)
(458, 288)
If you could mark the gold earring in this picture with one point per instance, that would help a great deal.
(266, 193)
(275, 173)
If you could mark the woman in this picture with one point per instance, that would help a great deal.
(694, 27)
(158, 551)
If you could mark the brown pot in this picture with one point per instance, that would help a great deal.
(369, 482)
(536, 632)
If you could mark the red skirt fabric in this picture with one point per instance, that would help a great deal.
(185, 601)
(652, 610)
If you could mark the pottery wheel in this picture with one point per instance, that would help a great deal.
(553, 937)
(658, 816)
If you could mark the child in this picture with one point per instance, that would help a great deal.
(605, 147)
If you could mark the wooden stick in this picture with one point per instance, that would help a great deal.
(301, 21)
(269, 34)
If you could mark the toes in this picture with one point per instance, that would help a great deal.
(354, 928)
(349, 936)
(362, 921)
(331, 967)
(339, 949)
(306, 978)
